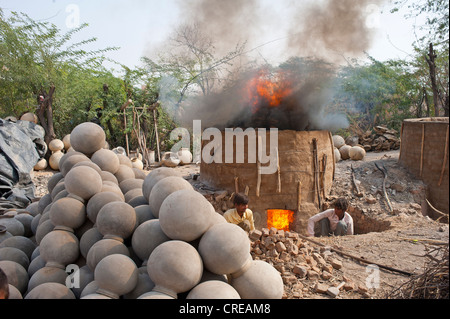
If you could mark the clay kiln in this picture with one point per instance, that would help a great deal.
(424, 151)
(300, 184)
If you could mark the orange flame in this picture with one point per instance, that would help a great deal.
(279, 218)
(267, 89)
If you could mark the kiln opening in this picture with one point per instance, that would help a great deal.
(281, 219)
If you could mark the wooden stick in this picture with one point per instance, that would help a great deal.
(358, 192)
(236, 184)
(299, 195)
(126, 134)
(156, 134)
(324, 164)
(384, 171)
(258, 167)
(436, 210)
(357, 258)
(279, 173)
(316, 172)
(246, 190)
(421, 149)
(445, 158)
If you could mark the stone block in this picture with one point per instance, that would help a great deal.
(320, 288)
(337, 264)
(300, 270)
(280, 247)
(255, 234)
(333, 292)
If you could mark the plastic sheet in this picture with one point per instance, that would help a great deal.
(21, 146)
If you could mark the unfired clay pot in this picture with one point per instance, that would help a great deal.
(174, 267)
(356, 153)
(103, 248)
(164, 188)
(59, 248)
(185, 215)
(116, 275)
(344, 150)
(68, 212)
(185, 156)
(88, 239)
(107, 160)
(225, 249)
(87, 138)
(154, 177)
(260, 281)
(131, 183)
(50, 290)
(123, 173)
(68, 160)
(146, 238)
(16, 274)
(83, 181)
(213, 289)
(116, 220)
(99, 200)
(338, 141)
(56, 145)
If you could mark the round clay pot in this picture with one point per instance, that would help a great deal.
(164, 188)
(99, 200)
(344, 150)
(185, 156)
(137, 163)
(146, 238)
(116, 220)
(155, 295)
(36, 264)
(68, 212)
(90, 164)
(108, 176)
(31, 117)
(356, 153)
(213, 289)
(144, 285)
(47, 274)
(88, 239)
(170, 159)
(337, 155)
(66, 141)
(87, 138)
(85, 275)
(26, 219)
(250, 286)
(185, 215)
(113, 188)
(116, 275)
(4, 233)
(225, 249)
(175, 267)
(83, 181)
(43, 229)
(32, 208)
(107, 160)
(132, 193)
(16, 274)
(41, 165)
(59, 248)
(130, 184)
(103, 248)
(124, 160)
(20, 242)
(138, 201)
(139, 173)
(55, 179)
(123, 173)
(338, 141)
(44, 202)
(50, 290)
(66, 163)
(56, 145)
(14, 293)
(16, 255)
(13, 226)
(143, 213)
(154, 177)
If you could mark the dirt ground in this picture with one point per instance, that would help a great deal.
(398, 239)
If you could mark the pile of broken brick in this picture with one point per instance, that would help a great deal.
(306, 270)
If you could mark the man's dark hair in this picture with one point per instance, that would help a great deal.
(341, 203)
(4, 288)
(240, 199)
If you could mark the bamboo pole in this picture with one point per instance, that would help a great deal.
(258, 167)
(421, 149)
(278, 173)
(445, 158)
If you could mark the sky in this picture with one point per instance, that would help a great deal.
(139, 27)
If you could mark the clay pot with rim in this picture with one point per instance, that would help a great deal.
(154, 177)
(164, 188)
(68, 213)
(116, 220)
(116, 275)
(225, 249)
(87, 138)
(175, 267)
(50, 290)
(83, 182)
(250, 286)
(107, 160)
(185, 215)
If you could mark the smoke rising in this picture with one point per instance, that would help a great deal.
(326, 31)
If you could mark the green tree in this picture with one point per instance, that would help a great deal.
(35, 60)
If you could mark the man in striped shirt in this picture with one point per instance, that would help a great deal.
(335, 221)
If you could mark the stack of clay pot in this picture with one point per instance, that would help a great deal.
(106, 230)
(343, 151)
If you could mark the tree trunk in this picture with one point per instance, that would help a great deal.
(432, 67)
(45, 114)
